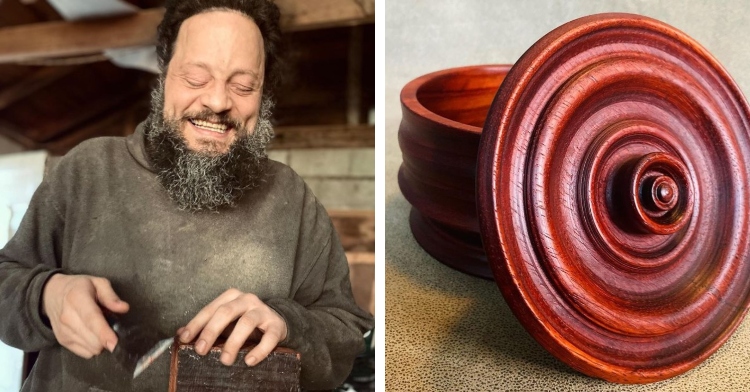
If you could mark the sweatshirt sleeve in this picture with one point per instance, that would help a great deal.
(323, 322)
(26, 262)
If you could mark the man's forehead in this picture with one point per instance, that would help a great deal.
(220, 36)
(210, 16)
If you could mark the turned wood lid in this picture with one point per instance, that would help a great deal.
(612, 188)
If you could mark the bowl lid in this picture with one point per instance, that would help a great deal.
(612, 187)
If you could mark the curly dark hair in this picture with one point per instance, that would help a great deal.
(264, 13)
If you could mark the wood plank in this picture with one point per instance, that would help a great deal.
(362, 278)
(10, 73)
(356, 229)
(31, 84)
(354, 77)
(112, 123)
(43, 9)
(12, 132)
(105, 124)
(63, 39)
(89, 91)
(324, 136)
(299, 15)
(47, 132)
(12, 12)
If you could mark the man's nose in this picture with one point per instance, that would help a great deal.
(216, 98)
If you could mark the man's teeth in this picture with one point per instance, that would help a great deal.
(209, 126)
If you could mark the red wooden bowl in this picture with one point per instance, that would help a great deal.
(613, 194)
(443, 115)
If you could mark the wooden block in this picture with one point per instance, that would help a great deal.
(190, 372)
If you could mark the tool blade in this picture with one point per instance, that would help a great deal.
(150, 357)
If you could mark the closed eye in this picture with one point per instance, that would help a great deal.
(243, 90)
(194, 83)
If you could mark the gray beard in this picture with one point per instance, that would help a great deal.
(205, 180)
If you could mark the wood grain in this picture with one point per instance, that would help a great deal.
(299, 15)
(613, 175)
(59, 39)
(443, 113)
(190, 372)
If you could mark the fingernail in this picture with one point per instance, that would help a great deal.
(111, 346)
(225, 358)
(250, 361)
(185, 336)
(200, 346)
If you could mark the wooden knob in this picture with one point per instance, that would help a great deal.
(659, 195)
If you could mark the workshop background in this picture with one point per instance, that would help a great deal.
(71, 70)
(448, 331)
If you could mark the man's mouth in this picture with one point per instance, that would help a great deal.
(210, 126)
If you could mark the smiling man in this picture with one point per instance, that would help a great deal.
(185, 227)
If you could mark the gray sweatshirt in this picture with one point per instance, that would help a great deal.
(102, 212)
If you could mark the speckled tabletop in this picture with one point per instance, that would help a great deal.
(447, 331)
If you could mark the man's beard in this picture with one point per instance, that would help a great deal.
(206, 179)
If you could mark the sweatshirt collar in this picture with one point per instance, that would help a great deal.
(137, 146)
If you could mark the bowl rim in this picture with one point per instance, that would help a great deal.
(410, 102)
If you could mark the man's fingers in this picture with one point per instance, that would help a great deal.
(80, 312)
(75, 332)
(80, 350)
(196, 324)
(242, 330)
(267, 343)
(90, 334)
(73, 304)
(213, 319)
(201, 319)
(97, 332)
(93, 328)
(107, 297)
(222, 317)
(98, 325)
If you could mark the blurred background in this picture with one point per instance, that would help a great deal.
(71, 70)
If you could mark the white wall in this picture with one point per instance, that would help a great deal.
(341, 178)
(20, 175)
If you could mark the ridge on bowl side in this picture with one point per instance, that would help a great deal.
(443, 115)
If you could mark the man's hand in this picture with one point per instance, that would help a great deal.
(251, 315)
(73, 305)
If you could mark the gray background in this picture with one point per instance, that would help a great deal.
(449, 331)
